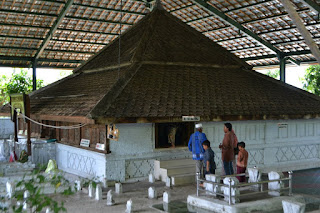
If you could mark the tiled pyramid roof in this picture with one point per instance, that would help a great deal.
(169, 70)
(161, 37)
(169, 92)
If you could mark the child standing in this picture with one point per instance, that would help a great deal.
(209, 165)
(242, 161)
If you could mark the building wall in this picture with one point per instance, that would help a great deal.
(272, 145)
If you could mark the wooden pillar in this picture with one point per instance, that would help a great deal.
(28, 124)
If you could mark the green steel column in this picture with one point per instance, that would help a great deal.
(34, 75)
(282, 69)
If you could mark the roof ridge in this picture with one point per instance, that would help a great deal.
(275, 81)
(142, 39)
(116, 89)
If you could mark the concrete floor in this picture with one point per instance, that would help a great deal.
(305, 182)
(138, 192)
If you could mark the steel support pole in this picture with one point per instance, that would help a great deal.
(290, 183)
(282, 69)
(230, 198)
(34, 75)
(198, 178)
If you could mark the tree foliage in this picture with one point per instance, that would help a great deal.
(273, 74)
(19, 82)
(311, 82)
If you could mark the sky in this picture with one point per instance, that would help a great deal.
(293, 73)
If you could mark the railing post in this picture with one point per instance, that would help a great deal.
(230, 191)
(290, 183)
(197, 179)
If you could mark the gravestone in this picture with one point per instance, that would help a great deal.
(166, 197)
(152, 193)
(129, 206)
(110, 201)
(98, 192)
(90, 190)
(10, 187)
(254, 177)
(168, 182)
(212, 188)
(275, 186)
(151, 178)
(118, 188)
(234, 190)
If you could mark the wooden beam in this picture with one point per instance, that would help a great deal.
(71, 119)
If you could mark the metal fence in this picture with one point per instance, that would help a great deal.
(230, 186)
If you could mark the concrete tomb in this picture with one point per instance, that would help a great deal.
(275, 186)
(152, 193)
(234, 190)
(166, 197)
(129, 206)
(290, 206)
(90, 190)
(98, 192)
(151, 178)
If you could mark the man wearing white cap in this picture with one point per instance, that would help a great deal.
(195, 146)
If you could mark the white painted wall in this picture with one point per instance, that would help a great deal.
(80, 162)
(270, 148)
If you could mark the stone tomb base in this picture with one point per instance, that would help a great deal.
(264, 205)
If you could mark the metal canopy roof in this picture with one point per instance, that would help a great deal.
(64, 33)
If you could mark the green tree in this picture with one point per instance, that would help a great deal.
(311, 83)
(273, 74)
(17, 83)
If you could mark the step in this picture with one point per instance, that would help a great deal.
(183, 179)
(159, 165)
(173, 171)
(176, 162)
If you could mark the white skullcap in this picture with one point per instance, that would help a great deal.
(198, 126)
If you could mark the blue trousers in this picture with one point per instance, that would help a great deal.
(228, 167)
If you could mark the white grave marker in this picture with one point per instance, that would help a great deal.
(152, 193)
(98, 192)
(118, 188)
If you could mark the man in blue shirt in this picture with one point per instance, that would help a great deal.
(195, 146)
